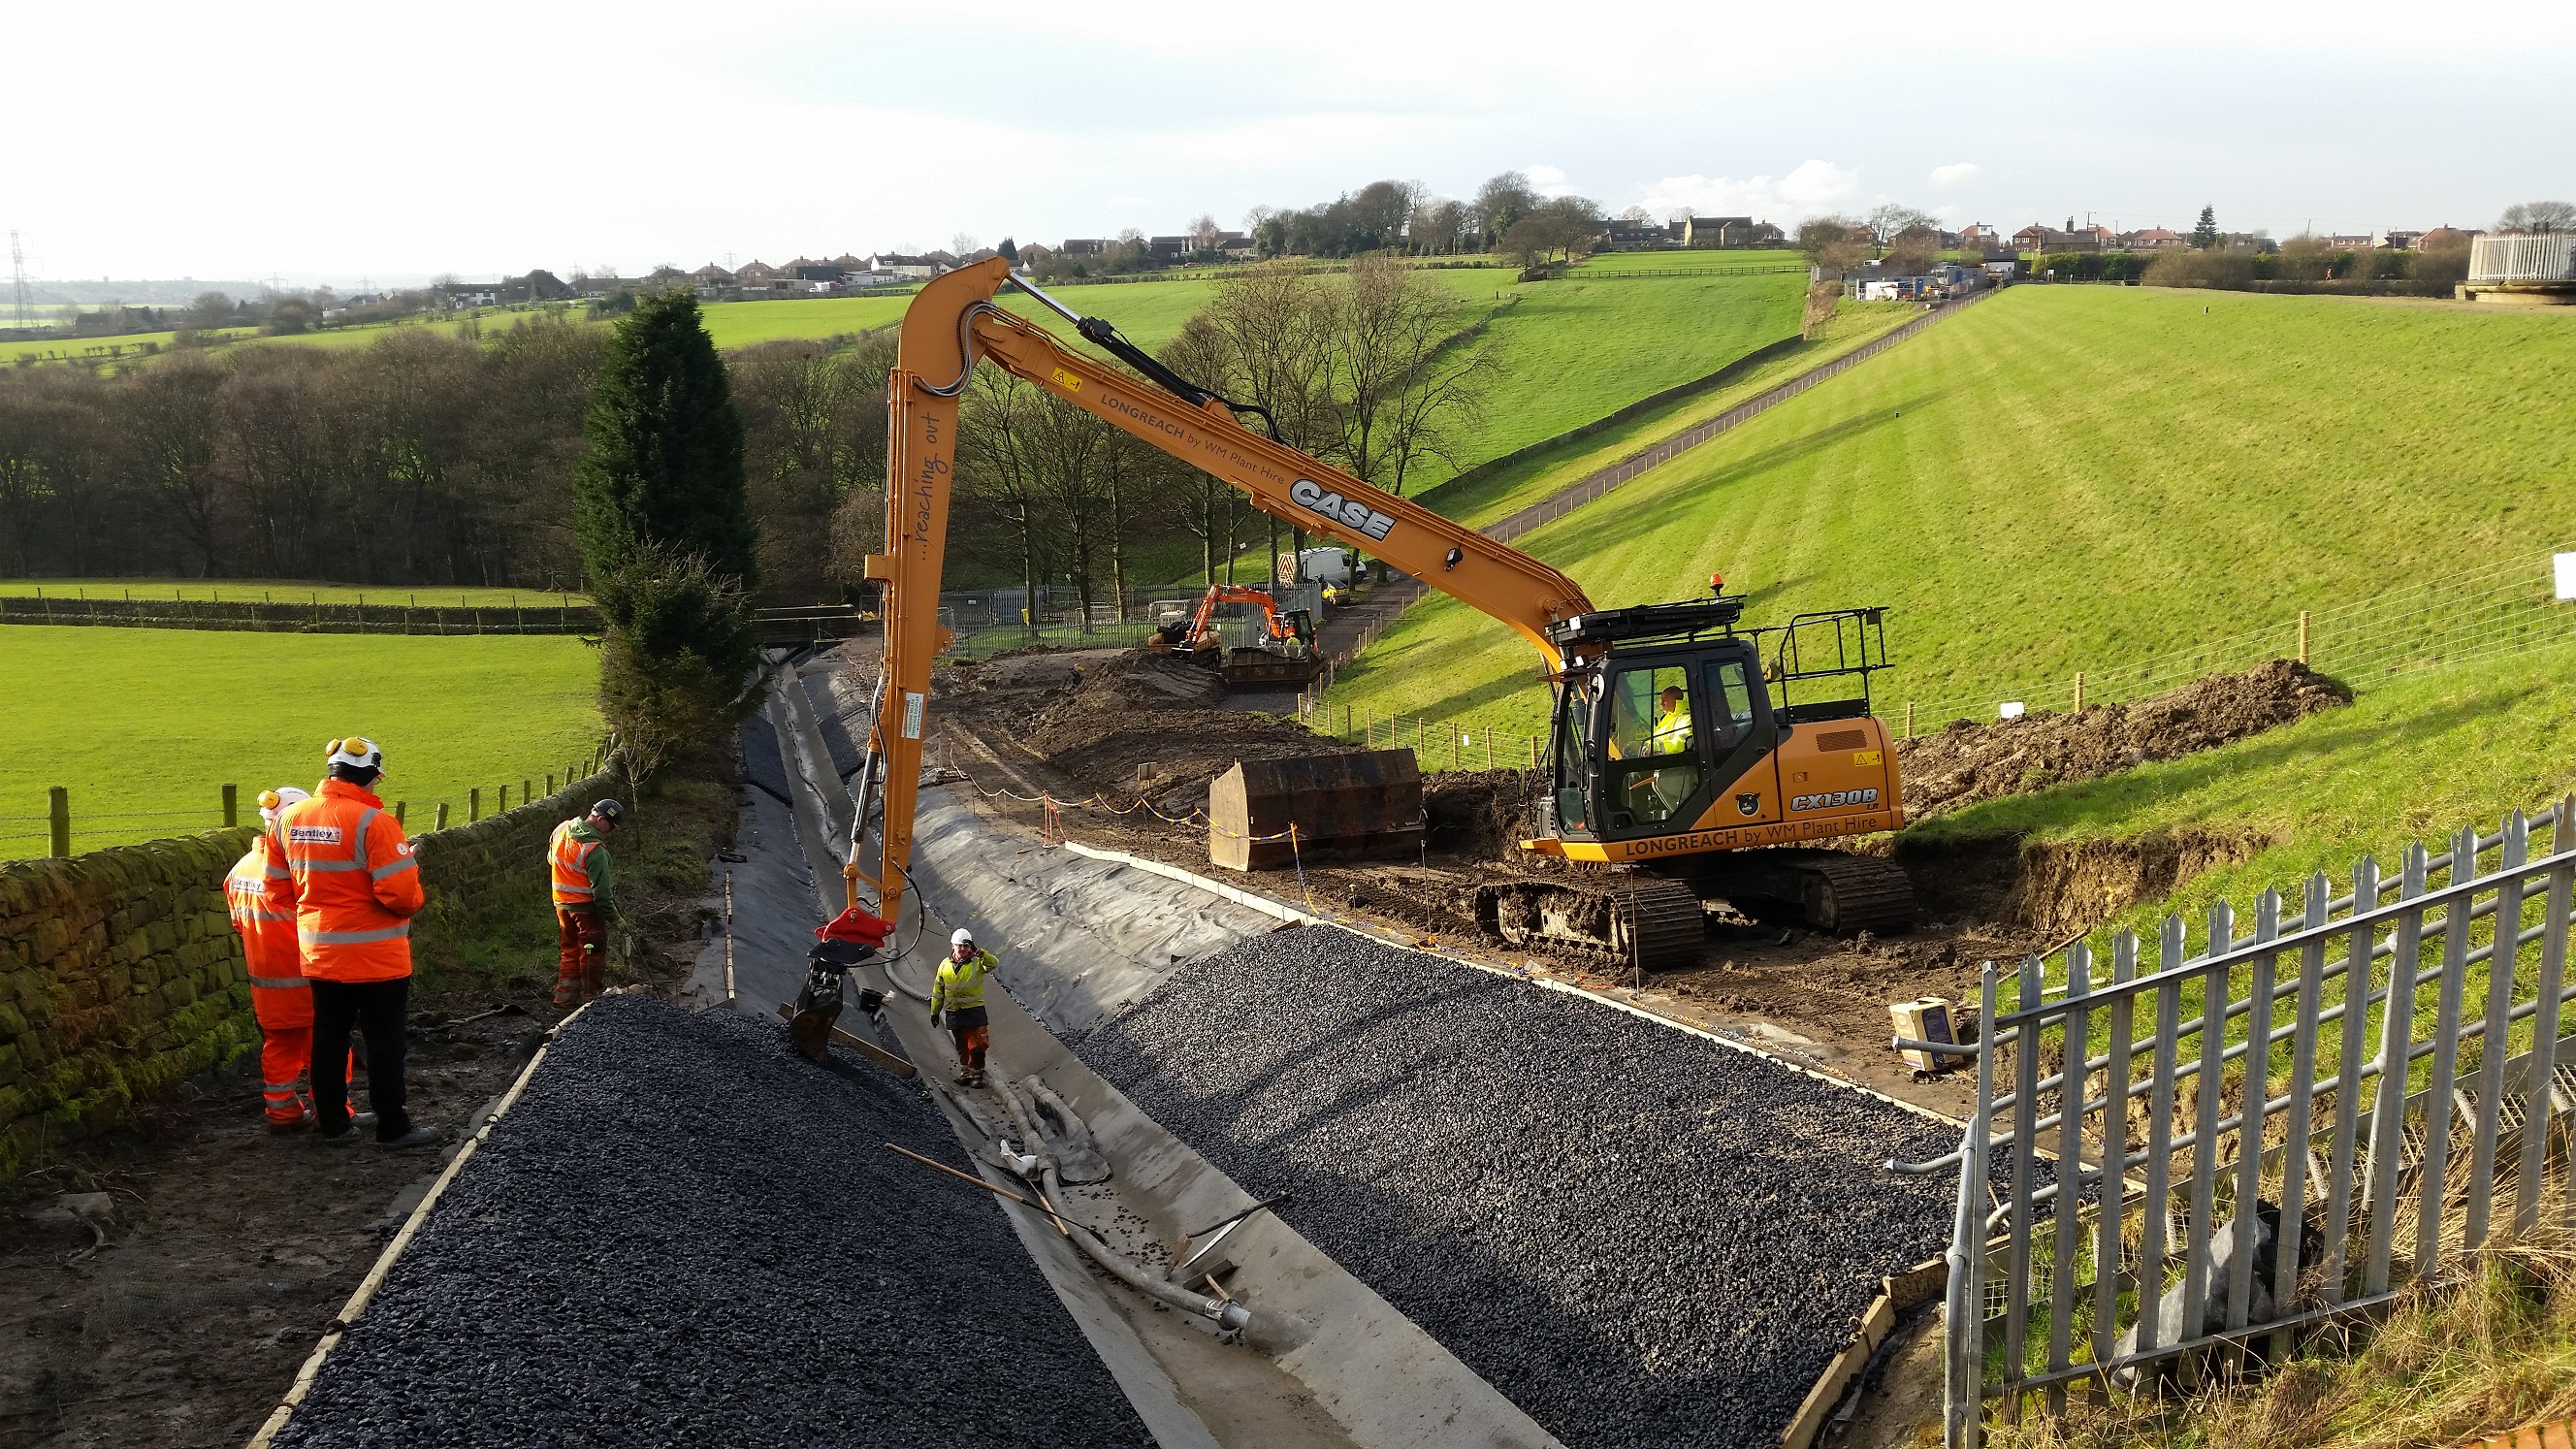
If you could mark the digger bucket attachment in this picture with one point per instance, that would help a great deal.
(1267, 669)
(1345, 807)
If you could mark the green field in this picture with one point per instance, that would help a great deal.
(282, 591)
(2071, 478)
(1689, 261)
(145, 726)
(1505, 491)
(2413, 759)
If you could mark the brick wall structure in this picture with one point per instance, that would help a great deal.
(120, 974)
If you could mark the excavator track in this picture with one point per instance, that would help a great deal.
(1649, 922)
(1846, 893)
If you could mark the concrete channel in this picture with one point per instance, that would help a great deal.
(1325, 1361)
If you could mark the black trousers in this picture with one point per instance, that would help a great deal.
(376, 1010)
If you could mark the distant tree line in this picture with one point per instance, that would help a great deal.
(423, 459)
(438, 456)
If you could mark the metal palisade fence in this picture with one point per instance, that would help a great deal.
(2280, 1131)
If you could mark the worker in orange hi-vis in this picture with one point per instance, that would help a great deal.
(354, 885)
(280, 998)
(577, 863)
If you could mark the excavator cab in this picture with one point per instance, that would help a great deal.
(1705, 754)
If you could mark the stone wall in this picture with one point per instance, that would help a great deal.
(120, 973)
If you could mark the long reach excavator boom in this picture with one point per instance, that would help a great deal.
(1675, 743)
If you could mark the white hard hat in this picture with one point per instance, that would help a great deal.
(355, 750)
(961, 937)
(271, 802)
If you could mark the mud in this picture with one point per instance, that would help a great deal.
(2064, 888)
(1967, 763)
(1123, 722)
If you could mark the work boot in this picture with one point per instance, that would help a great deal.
(416, 1137)
(291, 1126)
(345, 1137)
(566, 993)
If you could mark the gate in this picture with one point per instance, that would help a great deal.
(2281, 1131)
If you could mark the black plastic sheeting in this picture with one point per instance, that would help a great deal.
(685, 1235)
(762, 765)
(847, 751)
(1639, 1236)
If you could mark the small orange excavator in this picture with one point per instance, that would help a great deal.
(1283, 653)
(1688, 758)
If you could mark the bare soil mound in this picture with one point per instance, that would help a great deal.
(1967, 763)
(1130, 723)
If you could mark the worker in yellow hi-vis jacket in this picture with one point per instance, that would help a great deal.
(959, 994)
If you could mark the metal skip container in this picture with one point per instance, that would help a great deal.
(1352, 806)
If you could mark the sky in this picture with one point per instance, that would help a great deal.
(397, 141)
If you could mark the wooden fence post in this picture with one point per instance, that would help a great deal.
(2303, 636)
(1909, 719)
(232, 806)
(399, 807)
(550, 786)
(473, 804)
(2079, 691)
(525, 795)
(441, 817)
(58, 810)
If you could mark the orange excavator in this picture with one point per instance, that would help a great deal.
(1283, 652)
(1688, 759)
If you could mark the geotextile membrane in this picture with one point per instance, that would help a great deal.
(683, 1234)
(1639, 1236)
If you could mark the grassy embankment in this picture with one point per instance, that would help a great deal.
(2492, 1353)
(2074, 478)
(152, 720)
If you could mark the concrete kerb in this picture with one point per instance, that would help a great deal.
(375, 1279)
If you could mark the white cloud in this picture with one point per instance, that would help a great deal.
(1811, 189)
(1954, 173)
(1547, 180)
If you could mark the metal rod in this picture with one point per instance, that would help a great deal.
(2491, 1040)
(2115, 1148)
(2388, 1121)
(2258, 1086)
(2542, 1101)
(2204, 1149)
(2439, 1106)
(2070, 1153)
(2295, 1153)
(2340, 1165)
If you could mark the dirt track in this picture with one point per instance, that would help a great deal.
(1126, 727)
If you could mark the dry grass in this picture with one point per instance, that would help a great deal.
(2486, 1353)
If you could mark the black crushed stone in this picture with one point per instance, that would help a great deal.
(1638, 1236)
(684, 1235)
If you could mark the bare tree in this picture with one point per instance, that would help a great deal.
(1204, 233)
(1279, 327)
(1410, 375)
(1832, 243)
(1890, 221)
(996, 471)
(1504, 199)
(1209, 509)
(173, 429)
(2528, 217)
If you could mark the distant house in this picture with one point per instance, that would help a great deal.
(2343, 243)
(2400, 240)
(472, 294)
(1627, 235)
(2447, 236)
(710, 276)
(1034, 253)
(1235, 246)
(1763, 234)
(1167, 248)
(2152, 239)
(887, 265)
(1084, 246)
(2050, 239)
(588, 287)
(1713, 231)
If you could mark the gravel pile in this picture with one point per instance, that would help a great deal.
(1639, 1237)
(684, 1235)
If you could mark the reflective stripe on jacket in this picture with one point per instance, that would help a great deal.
(578, 861)
(960, 986)
(354, 884)
(279, 994)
